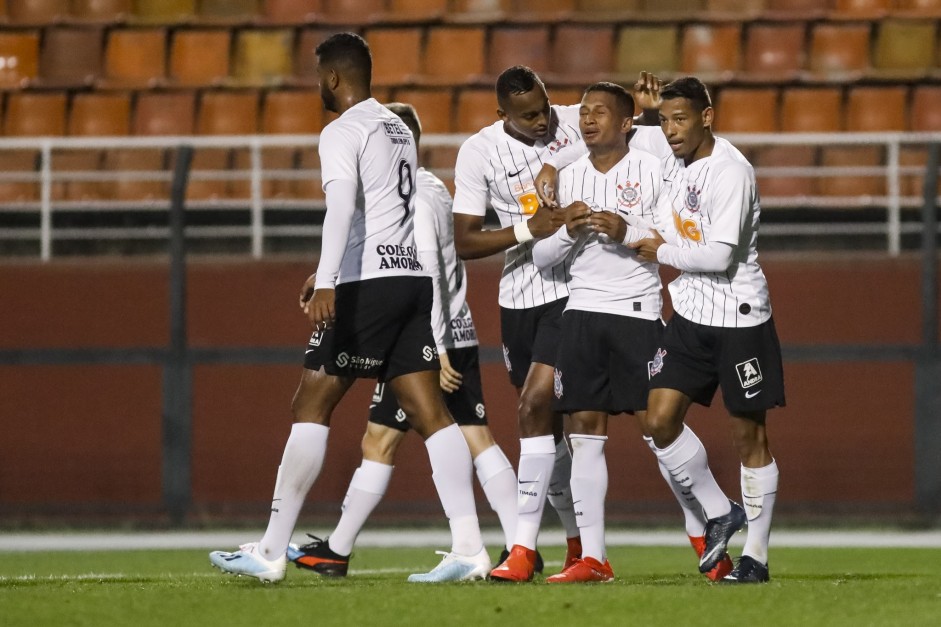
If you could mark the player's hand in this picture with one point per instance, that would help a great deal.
(320, 310)
(544, 222)
(647, 91)
(545, 185)
(577, 216)
(647, 248)
(608, 223)
(450, 378)
(307, 290)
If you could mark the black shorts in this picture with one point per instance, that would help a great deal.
(530, 335)
(603, 362)
(695, 359)
(382, 330)
(466, 404)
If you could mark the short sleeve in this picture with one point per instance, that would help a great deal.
(471, 190)
(731, 199)
(339, 154)
(426, 232)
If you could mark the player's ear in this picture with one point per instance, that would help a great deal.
(708, 114)
(501, 114)
(627, 124)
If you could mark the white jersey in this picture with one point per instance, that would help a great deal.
(370, 146)
(715, 199)
(451, 319)
(498, 170)
(607, 276)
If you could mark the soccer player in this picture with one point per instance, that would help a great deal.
(456, 340)
(371, 311)
(611, 324)
(722, 332)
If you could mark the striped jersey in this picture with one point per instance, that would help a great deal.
(451, 319)
(715, 199)
(607, 276)
(496, 169)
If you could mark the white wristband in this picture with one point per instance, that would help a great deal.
(522, 232)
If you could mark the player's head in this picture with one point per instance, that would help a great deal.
(606, 115)
(343, 62)
(523, 103)
(407, 114)
(686, 116)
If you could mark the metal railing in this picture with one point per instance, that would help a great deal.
(800, 219)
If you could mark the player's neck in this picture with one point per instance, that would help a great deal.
(350, 98)
(704, 149)
(606, 157)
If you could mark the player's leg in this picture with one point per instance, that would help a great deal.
(496, 477)
(559, 493)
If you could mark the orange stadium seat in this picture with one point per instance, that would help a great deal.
(23, 162)
(19, 58)
(100, 11)
(744, 110)
(309, 187)
(582, 54)
(352, 11)
(607, 10)
(164, 113)
(305, 61)
(75, 162)
(38, 12)
(775, 51)
(651, 48)
(812, 110)
(127, 163)
(396, 54)
(673, 8)
(164, 11)
(875, 109)
(263, 57)
(925, 113)
(100, 114)
(921, 8)
(478, 11)
(289, 12)
(70, 57)
(839, 51)
(711, 51)
(288, 112)
(476, 108)
(905, 48)
(796, 9)
(222, 113)
(789, 157)
(229, 11)
(524, 45)
(545, 10)
(35, 114)
(737, 9)
(851, 157)
(454, 55)
(135, 58)
(434, 107)
(417, 10)
(856, 9)
(200, 57)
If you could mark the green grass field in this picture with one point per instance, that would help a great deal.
(654, 586)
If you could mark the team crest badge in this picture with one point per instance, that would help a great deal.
(749, 372)
(628, 195)
(692, 198)
(557, 387)
(655, 366)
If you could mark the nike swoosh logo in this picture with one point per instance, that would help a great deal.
(752, 394)
(517, 173)
(524, 482)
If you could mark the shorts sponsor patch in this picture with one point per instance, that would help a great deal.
(400, 415)
(479, 410)
(749, 372)
(429, 353)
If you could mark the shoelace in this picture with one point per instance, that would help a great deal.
(312, 545)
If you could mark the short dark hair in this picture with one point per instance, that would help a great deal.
(518, 79)
(408, 115)
(622, 97)
(688, 87)
(348, 51)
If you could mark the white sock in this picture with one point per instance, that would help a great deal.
(498, 481)
(589, 488)
(300, 466)
(537, 456)
(692, 510)
(560, 489)
(759, 489)
(451, 471)
(686, 461)
(367, 488)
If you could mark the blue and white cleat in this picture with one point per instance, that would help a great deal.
(249, 561)
(456, 567)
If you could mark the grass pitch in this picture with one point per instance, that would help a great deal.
(654, 586)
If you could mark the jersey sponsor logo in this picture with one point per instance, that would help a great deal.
(506, 359)
(654, 367)
(398, 257)
(688, 229)
(462, 330)
(429, 353)
(397, 132)
(557, 382)
(479, 410)
(629, 195)
(528, 203)
(692, 198)
(749, 373)
(357, 362)
(558, 144)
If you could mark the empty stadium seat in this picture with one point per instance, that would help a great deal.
(70, 57)
(129, 165)
(87, 163)
(919, 8)
(164, 11)
(775, 51)
(851, 185)
(290, 12)
(396, 54)
(37, 12)
(199, 57)
(19, 58)
(711, 51)
(35, 114)
(287, 112)
(544, 11)
(876, 109)
(100, 11)
(511, 46)
(673, 8)
(905, 48)
(305, 61)
(861, 9)
(99, 114)
(925, 112)
(263, 57)
(453, 55)
(309, 187)
(799, 9)
(351, 11)
(651, 48)
(135, 58)
(476, 108)
(221, 113)
(22, 162)
(784, 157)
(812, 110)
(744, 110)
(595, 53)
(478, 11)
(839, 51)
(227, 11)
(607, 10)
(737, 9)
(434, 107)
(165, 113)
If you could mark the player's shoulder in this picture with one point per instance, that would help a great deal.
(644, 156)
(650, 139)
(428, 181)
(729, 160)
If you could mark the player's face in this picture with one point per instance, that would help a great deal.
(601, 121)
(326, 77)
(684, 127)
(527, 115)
